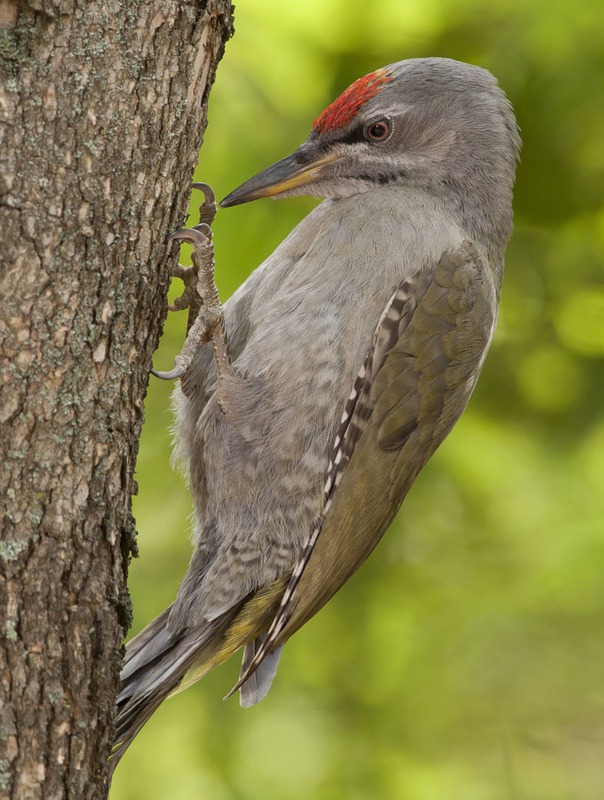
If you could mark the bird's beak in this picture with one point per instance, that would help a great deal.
(299, 169)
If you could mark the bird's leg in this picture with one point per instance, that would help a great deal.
(206, 318)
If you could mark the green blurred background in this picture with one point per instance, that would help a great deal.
(466, 660)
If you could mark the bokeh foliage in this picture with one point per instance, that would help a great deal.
(466, 660)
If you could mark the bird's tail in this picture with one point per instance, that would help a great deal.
(157, 662)
(160, 661)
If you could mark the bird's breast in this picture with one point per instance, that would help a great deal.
(309, 314)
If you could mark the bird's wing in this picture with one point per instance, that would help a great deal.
(421, 368)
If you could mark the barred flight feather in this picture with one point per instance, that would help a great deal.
(357, 413)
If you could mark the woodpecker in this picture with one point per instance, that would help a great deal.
(309, 404)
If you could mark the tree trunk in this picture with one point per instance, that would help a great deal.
(102, 107)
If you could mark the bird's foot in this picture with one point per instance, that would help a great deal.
(200, 292)
(189, 275)
(206, 318)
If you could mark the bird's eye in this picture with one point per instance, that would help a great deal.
(379, 131)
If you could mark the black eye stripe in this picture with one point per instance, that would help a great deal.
(355, 135)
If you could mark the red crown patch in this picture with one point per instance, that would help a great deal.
(344, 109)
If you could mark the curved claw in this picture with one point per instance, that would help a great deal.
(189, 235)
(207, 210)
(203, 228)
(173, 375)
(208, 192)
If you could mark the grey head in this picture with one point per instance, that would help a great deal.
(431, 123)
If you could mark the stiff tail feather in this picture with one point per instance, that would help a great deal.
(161, 662)
(156, 666)
(256, 686)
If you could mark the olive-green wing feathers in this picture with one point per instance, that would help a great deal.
(419, 373)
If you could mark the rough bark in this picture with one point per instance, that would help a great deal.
(102, 108)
